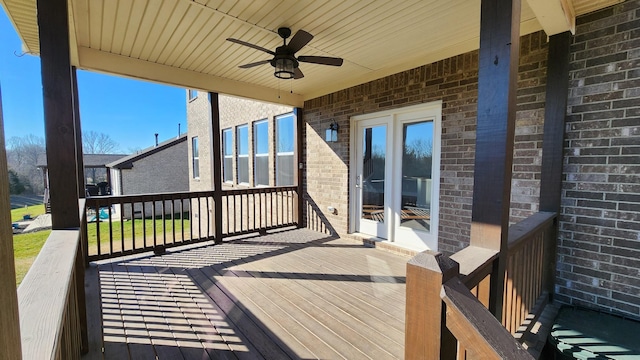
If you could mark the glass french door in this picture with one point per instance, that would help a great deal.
(397, 157)
(414, 185)
(370, 184)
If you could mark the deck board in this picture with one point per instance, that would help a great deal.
(294, 294)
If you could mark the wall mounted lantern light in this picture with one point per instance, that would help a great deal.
(332, 132)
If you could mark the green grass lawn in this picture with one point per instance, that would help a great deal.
(25, 250)
(27, 246)
(137, 229)
(34, 210)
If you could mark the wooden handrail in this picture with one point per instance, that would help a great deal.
(259, 190)
(475, 328)
(441, 312)
(48, 301)
(114, 199)
(475, 264)
(185, 194)
(524, 229)
(466, 317)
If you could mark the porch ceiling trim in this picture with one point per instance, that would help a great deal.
(96, 60)
(555, 16)
(73, 38)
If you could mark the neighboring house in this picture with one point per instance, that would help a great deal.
(95, 167)
(95, 172)
(158, 169)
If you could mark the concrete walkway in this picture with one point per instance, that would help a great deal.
(42, 222)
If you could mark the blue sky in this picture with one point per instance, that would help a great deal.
(130, 111)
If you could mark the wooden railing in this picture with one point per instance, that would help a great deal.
(123, 225)
(51, 300)
(258, 209)
(528, 281)
(447, 297)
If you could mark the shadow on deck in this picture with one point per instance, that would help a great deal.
(294, 294)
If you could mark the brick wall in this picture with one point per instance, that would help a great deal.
(163, 171)
(454, 81)
(159, 172)
(199, 124)
(234, 111)
(599, 243)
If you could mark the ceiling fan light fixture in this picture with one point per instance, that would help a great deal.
(285, 68)
(284, 58)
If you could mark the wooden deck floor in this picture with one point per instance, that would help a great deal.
(290, 295)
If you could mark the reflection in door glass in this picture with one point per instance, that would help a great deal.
(372, 178)
(417, 149)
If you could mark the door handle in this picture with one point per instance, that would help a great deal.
(358, 179)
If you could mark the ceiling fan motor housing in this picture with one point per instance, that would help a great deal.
(284, 32)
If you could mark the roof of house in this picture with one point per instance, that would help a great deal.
(90, 160)
(127, 161)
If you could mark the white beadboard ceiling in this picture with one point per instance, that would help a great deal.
(182, 42)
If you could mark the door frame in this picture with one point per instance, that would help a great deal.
(357, 147)
(431, 110)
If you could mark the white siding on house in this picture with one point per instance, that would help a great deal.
(116, 184)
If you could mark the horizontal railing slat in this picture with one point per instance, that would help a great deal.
(475, 263)
(273, 189)
(524, 229)
(44, 297)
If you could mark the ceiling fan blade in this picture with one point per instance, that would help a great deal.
(251, 45)
(299, 40)
(297, 73)
(322, 60)
(257, 63)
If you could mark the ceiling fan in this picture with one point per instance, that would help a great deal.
(284, 58)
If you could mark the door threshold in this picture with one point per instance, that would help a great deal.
(383, 244)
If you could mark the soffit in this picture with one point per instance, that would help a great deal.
(182, 42)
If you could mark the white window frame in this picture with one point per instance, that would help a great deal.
(195, 156)
(239, 155)
(278, 153)
(256, 154)
(227, 156)
(192, 94)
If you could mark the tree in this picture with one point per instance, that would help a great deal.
(98, 143)
(16, 187)
(22, 159)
